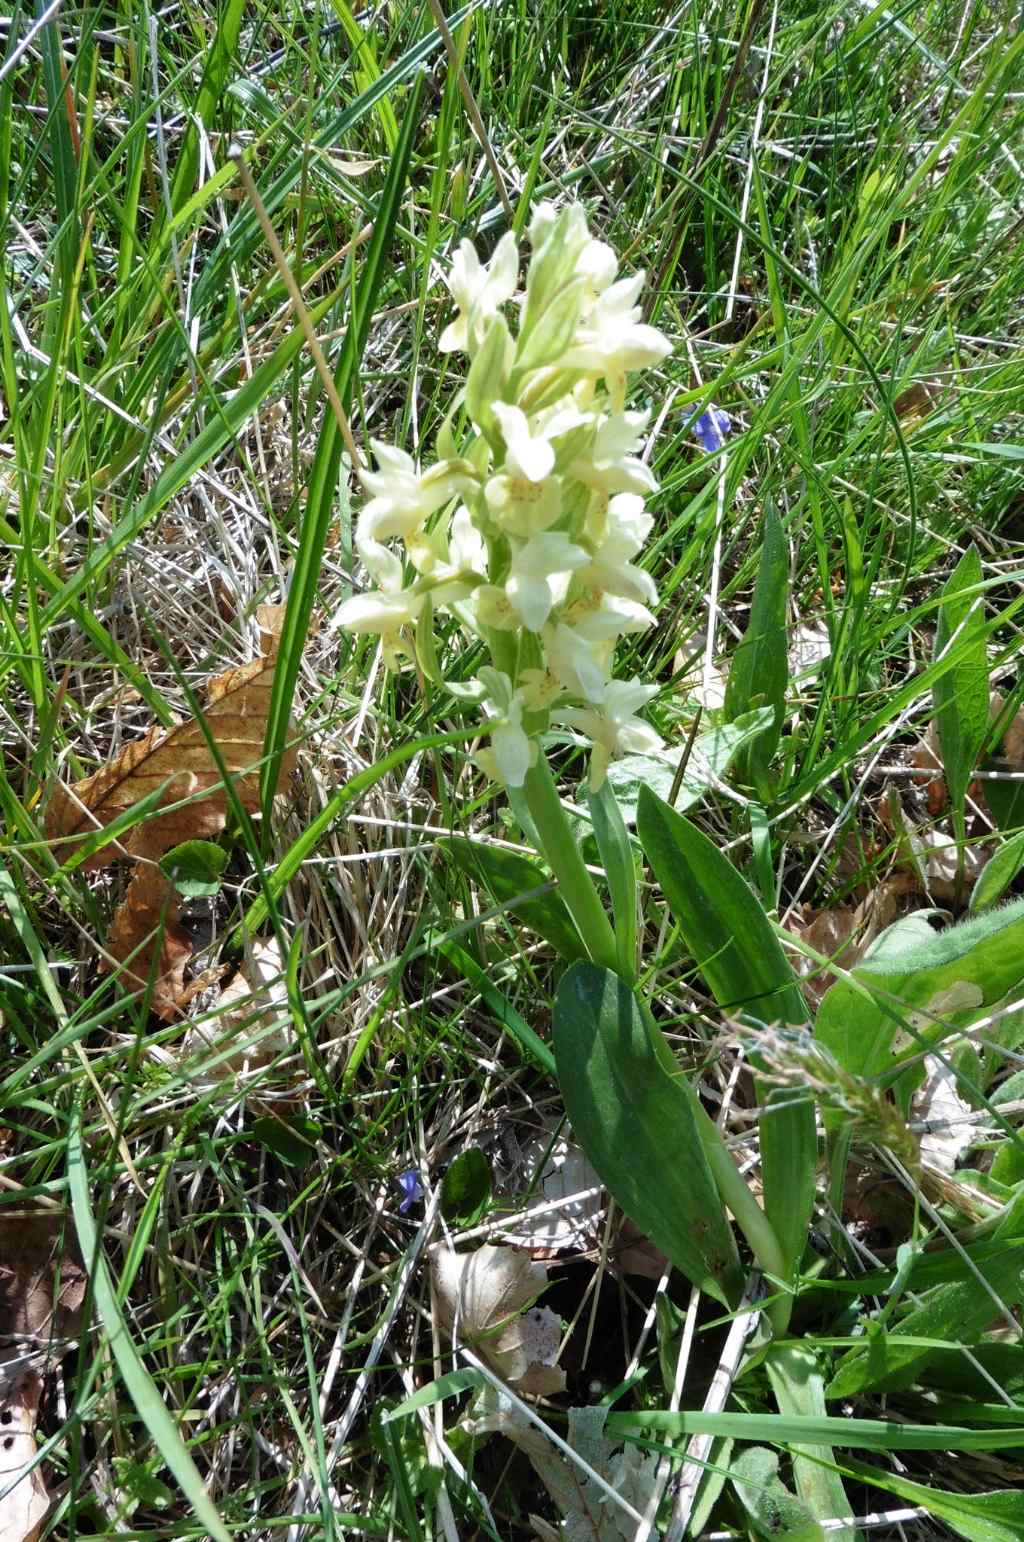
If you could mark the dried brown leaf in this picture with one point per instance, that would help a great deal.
(843, 933)
(23, 1497)
(147, 922)
(926, 759)
(147, 930)
(236, 714)
(1011, 746)
(487, 1298)
(254, 999)
(42, 1279)
(918, 400)
(636, 1254)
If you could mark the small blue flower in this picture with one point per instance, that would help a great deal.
(711, 428)
(411, 1187)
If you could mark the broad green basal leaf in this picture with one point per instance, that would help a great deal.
(915, 986)
(735, 947)
(710, 758)
(634, 1121)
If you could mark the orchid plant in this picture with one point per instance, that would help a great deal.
(526, 530)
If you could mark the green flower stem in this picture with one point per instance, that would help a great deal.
(563, 856)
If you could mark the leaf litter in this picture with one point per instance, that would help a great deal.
(42, 1290)
(24, 1500)
(486, 1299)
(146, 938)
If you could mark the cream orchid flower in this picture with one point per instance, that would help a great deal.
(613, 340)
(388, 612)
(610, 571)
(610, 465)
(403, 496)
(612, 725)
(479, 290)
(521, 507)
(579, 647)
(540, 576)
(596, 263)
(449, 558)
(524, 498)
(526, 455)
(512, 751)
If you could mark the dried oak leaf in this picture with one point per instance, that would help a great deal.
(42, 1279)
(23, 1497)
(236, 714)
(147, 937)
(487, 1299)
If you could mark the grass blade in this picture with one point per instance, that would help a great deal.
(141, 1387)
(323, 486)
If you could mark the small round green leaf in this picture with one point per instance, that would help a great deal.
(195, 868)
(292, 1140)
(466, 1188)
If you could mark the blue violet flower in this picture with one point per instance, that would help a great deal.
(411, 1187)
(711, 428)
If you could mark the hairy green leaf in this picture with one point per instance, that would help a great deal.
(915, 986)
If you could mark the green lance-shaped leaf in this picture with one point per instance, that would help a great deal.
(488, 375)
(466, 1188)
(799, 1390)
(773, 1511)
(998, 873)
(512, 880)
(960, 696)
(741, 959)
(995, 1516)
(635, 1121)
(949, 1320)
(760, 668)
